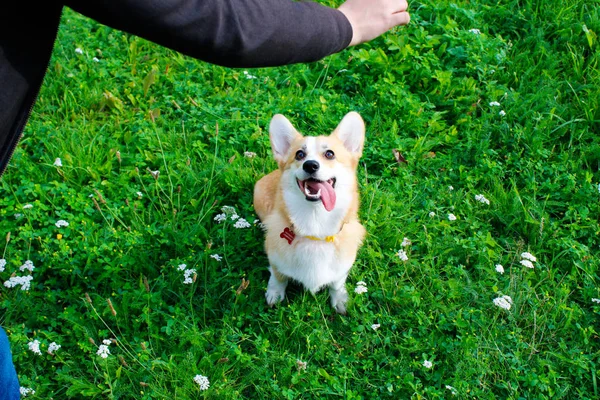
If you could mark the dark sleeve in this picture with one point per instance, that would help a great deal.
(234, 33)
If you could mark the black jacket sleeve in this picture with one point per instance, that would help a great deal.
(233, 33)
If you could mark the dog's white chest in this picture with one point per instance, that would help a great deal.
(315, 264)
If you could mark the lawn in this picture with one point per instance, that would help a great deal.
(482, 155)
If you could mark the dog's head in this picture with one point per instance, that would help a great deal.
(318, 169)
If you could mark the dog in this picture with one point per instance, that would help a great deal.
(309, 208)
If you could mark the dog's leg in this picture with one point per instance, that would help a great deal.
(276, 287)
(339, 295)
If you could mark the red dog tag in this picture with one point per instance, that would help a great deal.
(288, 235)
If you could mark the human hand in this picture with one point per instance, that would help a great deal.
(371, 18)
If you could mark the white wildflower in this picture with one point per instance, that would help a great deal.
(450, 188)
(155, 174)
(481, 198)
(27, 206)
(475, 31)
(504, 302)
(301, 365)
(528, 256)
(596, 300)
(452, 390)
(216, 257)
(24, 281)
(107, 342)
(187, 276)
(95, 59)
(78, 50)
(53, 347)
(2, 264)
(375, 326)
(427, 364)
(499, 268)
(202, 381)
(139, 194)
(58, 162)
(402, 255)
(35, 347)
(248, 76)
(431, 214)
(26, 391)
(60, 223)
(241, 223)
(249, 154)
(103, 351)
(234, 217)
(18, 215)
(405, 242)
(494, 104)
(502, 113)
(27, 266)
(451, 217)
(527, 263)
(220, 217)
(361, 288)
(181, 267)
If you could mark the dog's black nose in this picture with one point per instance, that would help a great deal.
(310, 166)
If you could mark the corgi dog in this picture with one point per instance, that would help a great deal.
(309, 208)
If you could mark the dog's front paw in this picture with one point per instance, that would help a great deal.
(339, 299)
(274, 296)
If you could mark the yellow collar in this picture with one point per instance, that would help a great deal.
(328, 239)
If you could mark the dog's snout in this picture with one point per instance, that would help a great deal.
(311, 166)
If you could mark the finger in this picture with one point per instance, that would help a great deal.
(401, 18)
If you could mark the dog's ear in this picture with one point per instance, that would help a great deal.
(351, 131)
(282, 134)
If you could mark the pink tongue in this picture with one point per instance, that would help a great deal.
(327, 193)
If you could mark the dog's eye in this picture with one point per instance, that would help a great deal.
(300, 155)
(330, 155)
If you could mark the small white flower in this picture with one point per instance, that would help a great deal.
(139, 194)
(301, 365)
(95, 59)
(596, 300)
(249, 154)
(187, 275)
(103, 351)
(427, 364)
(234, 217)
(78, 51)
(27, 206)
(57, 162)
(361, 283)
(450, 188)
(53, 347)
(431, 214)
(181, 267)
(220, 217)
(475, 31)
(402, 255)
(451, 217)
(527, 263)
(499, 268)
(18, 215)
(2, 264)
(528, 256)
(216, 257)
(35, 347)
(107, 342)
(60, 223)
(405, 242)
(504, 302)
(481, 198)
(502, 113)
(155, 174)
(494, 104)
(375, 326)
(26, 391)
(202, 381)
(360, 289)
(27, 266)
(241, 223)
(452, 390)
(248, 76)
(24, 281)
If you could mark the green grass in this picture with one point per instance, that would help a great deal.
(425, 91)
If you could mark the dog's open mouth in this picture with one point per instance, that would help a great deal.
(316, 190)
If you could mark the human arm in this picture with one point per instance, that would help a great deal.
(371, 18)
